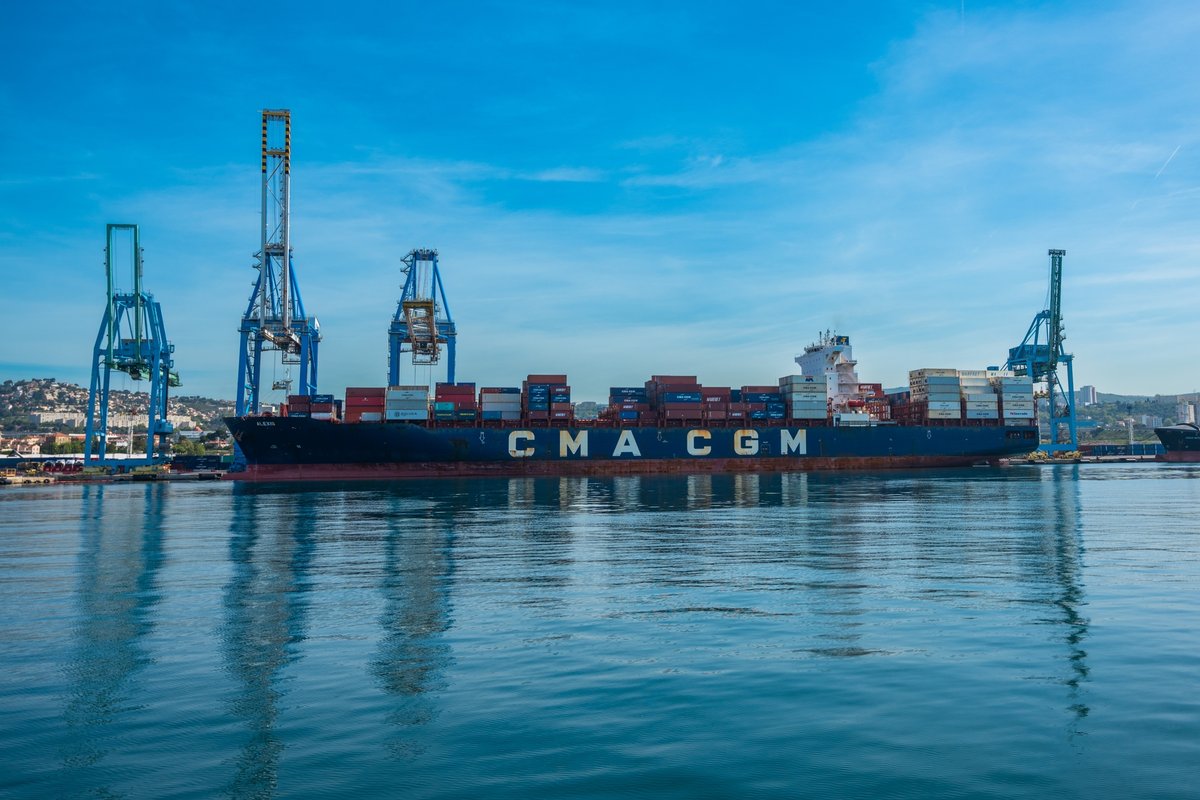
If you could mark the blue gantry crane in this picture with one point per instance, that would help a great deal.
(132, 340)
(1041, 356)
(275, 319)
(422, 322)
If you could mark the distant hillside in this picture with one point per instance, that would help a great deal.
(20, 399)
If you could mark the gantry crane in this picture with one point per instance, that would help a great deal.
(1040, 358)
(422, 322)
(275, 318)
(132, 340)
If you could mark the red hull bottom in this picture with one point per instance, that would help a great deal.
(1181, 456)
(556, 469)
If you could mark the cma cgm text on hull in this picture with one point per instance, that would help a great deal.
(298, 448)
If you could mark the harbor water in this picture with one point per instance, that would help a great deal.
(990, 632)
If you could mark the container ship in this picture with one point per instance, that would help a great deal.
(823, 418)
(1182, 442)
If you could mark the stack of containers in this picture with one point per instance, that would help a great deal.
(1016, 397)
(938, 391)
(364, 403)
(763, 403)
(406, 404)
(900, 404)
(629, 405)
(714, 402)
(875, 400)
(322, 407)
(738, 411)
(676, 397)
(454, 402)
(978, 396)
(805, 396)
(500, 403)
(299, 405)
(539, 393)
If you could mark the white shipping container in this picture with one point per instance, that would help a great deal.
(974, 413)
(940, 397)
(371, 416)
(510, 415)
(936, 414)
(982, 398)
(406, 405)
(972, 373)
(790, 380)
(808, 414)
(931, 372)
(944, 406)
(406, 415)
(978, 405)
(1017, 413)
(406, 394)
(321, 415)
(1021, 404)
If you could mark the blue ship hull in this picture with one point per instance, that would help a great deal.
(283, 448)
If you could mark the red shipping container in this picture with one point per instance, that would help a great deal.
(682, 406)
(739, 406)
(716, 415)
(365, 391)
(737, 415)
(320, 408)
(682, 413)
(537, 415)
(673, 378)
(560, 406)
(546, 379)
(761, 389)
(560, 414)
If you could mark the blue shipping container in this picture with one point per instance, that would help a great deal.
(322, 398)
(681, 397)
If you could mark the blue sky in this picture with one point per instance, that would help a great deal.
(696, 188)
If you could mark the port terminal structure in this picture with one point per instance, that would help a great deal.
(132, 340)
(422, 322)
(275, 319)
(1041, 356)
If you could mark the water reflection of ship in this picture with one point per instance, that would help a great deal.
(270, 552)
(412, 654)
(121, 552)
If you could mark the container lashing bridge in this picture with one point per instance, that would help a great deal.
(275, 319)
(132, 340)
(422, 322)
(1041, 356)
